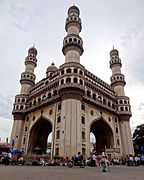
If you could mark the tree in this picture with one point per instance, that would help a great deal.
(138, 138)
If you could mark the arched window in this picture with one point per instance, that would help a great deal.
(125, 101)
(59, 107)
(68, 70)
(83, 107)
(81, 73)
(39, 99)
(99, 98)
(23, 100)
(55, 93)
(113, 106)
(57, 151)
(21, 107)
(75, 40)
(62, 72)
(116, 120)
(58, 119)
(83, 135)
(94, 96)
(62, 81)
(83, 151)
(82, 119)
(109, 103)
(44, 97)
(121, 102)
(34, 102)
(49, 95)
(109, 119)
(70, 39)
(18, 100)
(75, 80)
(118, 142)
(88, 93)
(116, 129)
(81, 82)
(75, 70)
(58, 134)
(68, 80)
(17, 107)
(24, 140)
(26, 129)
(30, 104)
(104, 101)
(121, 108)
(126, 108)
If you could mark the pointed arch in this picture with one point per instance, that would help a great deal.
(103, 133)
(38, 135)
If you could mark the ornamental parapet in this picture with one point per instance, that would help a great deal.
(99, 81)
(31, 60)
(73, 20)
(115, 61)
(72, 64)
(27, 78)
(118, 79)
(99, 104)
(71, 91)
(72, 42)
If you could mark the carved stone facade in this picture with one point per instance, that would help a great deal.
(70, 103)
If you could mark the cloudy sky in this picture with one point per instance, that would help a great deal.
(105, 23)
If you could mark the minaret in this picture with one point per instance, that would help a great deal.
(123, 104)
(71, 89)
(72, 43)
(21, 100)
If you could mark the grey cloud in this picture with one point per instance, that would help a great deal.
(22, 18)
(6, 105)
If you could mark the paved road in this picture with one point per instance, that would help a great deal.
(65, 173)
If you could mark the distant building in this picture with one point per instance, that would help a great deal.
(71, 102)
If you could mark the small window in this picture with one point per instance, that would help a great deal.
(83, 135)
(58, 134)
(59, 107)
(34, 102)
(94, 96)
(126, 108)
(26, 129)
(88, 93)
(116, 129)
(121, 102)
(75, 80)
(109, 103)
(33, 118)
(75, 40)
(62, 72)
(116, 120)
(62, 81)
(21, 107)
(82, 119)
(81, 73)
(118, 142)
(81, 82)
(125, 101)
(57, 151)
(55, 93)
(68, 70)
(83, 107)
(18, 100)
(121, 108)
(39, 99)
(104, 101)
(24, 141)
(83, 151)
(70, 39)
(23, 100)
(68, 80)
(109, 119)
(49, 95)
(58, 119)
(75, 70)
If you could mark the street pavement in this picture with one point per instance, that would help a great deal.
(65, 173)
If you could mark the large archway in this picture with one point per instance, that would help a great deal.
(39, 136)
(103, 135)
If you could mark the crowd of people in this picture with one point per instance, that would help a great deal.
(93, 161)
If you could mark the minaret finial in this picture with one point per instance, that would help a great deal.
(113, 46)
(73, 4)
(33, 45)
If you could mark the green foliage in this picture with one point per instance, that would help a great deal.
(138, 137)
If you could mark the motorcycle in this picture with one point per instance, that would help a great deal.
(76, 162)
